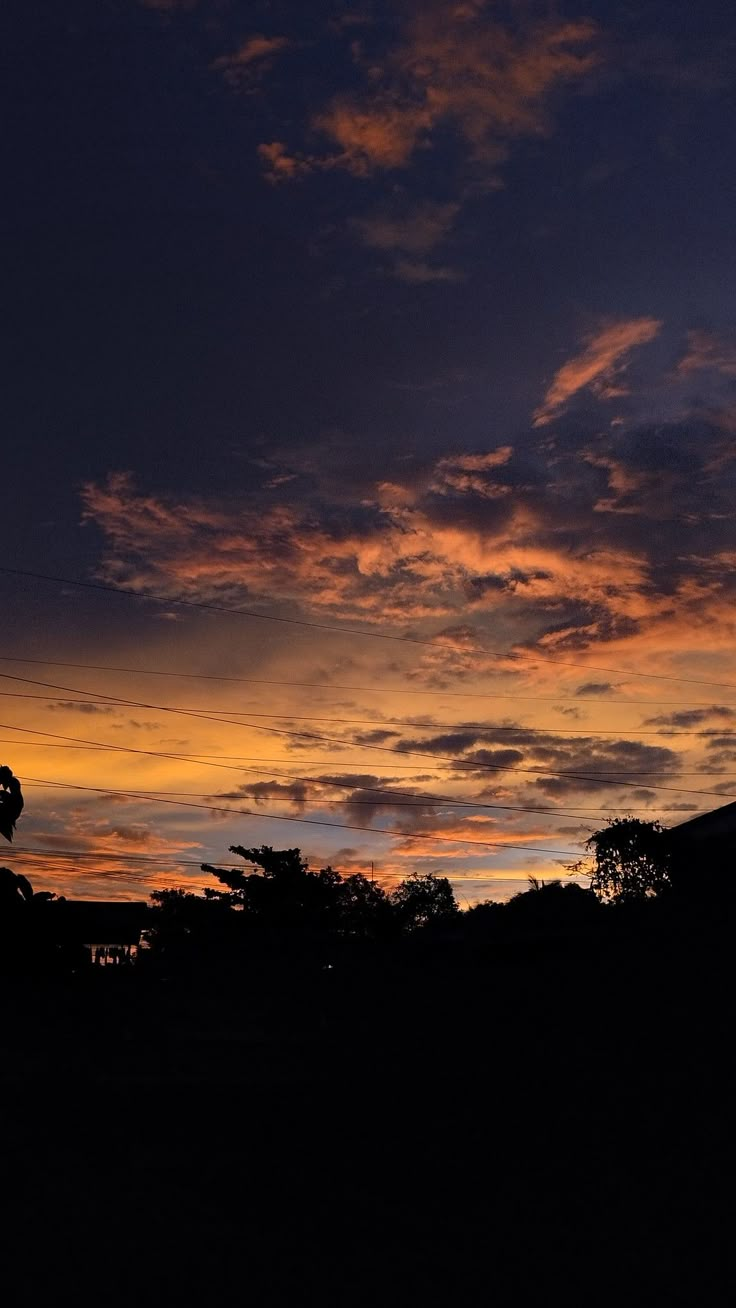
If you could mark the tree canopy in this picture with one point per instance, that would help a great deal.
(631, 861)
(278, 892)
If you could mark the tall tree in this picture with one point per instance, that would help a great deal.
(631, 861)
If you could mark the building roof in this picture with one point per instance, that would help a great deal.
(719, 824)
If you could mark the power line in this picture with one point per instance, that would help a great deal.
(262, 758)
(457, 765)
(493, 727)
(333, 740)
(372, 690)
(315, 822)
(420, 801)
(67, 855)
(510, 655)
(409, 799)
(19, 851)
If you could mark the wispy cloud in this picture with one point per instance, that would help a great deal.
(473, 472)
(414, 229)
(706, 351)
(408, 232)
(417, 272)
(692, 717)
(598, 366)
(281, 166)
(253, 57)
(72, 707)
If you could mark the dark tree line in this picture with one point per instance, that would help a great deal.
(278, 898)
(275, 904)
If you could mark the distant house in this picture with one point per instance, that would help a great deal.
(109, 929)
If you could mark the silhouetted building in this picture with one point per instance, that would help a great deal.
(704, 851)
(109, 929)
(719, 824)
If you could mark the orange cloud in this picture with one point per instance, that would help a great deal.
(279, 165)
(604, 356)
(454, 66)
(383, 135)
(256, 52)
(402, 563)
(469, 472)
(564, 559)
(707, 351)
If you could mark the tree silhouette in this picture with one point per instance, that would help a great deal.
(11, 802)
(284, 893)
(423, 901)
(631, 861)
(551, 904)
(364, 908)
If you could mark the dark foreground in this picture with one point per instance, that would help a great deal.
(548, 1126)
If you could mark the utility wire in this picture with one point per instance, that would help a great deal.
(20, 851)
(372, 690)
(312, 822)
(510, 655)
(408, 799)
(605, 777)
(377, 723)
(300, 735)
(457, 765)
(262, 758)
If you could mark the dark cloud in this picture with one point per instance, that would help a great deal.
(363, 808)
(595, 688)
(717, 761)
(376, 737)
(691, 717)
(451, 742)
(496, 758)
(91, 710)
(509, 583)
(358, 795)
(137, 725)
(356, 780)
(594, 760)
(259, 791)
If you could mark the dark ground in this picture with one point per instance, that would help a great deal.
(552, 1125)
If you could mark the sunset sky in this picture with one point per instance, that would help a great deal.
(383, 355)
